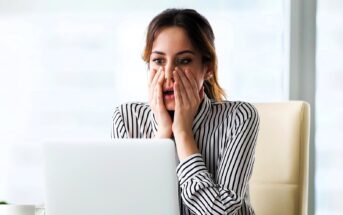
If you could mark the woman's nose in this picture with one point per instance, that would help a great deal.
(169, 72)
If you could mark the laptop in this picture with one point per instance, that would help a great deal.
(117, 177)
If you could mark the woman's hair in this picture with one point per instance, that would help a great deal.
(200, 34)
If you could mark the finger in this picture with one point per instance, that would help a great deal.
(185, 87)
(160, 79)
(159, 86)
(178, 98)
(156, 76)
(191, 79)
(155, 95)
(152, 74)
(159, 97)
(153, 82)
(180, 87)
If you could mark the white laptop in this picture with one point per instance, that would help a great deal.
(118, 177)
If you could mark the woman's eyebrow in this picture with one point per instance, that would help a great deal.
(178, 53)
(158, 52)
(185, 52)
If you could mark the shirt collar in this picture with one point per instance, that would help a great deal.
(203, 110)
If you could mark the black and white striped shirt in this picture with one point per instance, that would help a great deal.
(215, 181)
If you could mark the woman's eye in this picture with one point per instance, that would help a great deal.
(158, 61)
(184, 61)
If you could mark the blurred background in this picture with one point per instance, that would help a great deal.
(65, 65)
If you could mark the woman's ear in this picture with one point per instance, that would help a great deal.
(208, 72)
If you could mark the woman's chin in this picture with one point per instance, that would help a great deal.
(170, 105)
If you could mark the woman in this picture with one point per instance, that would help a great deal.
(215, 139)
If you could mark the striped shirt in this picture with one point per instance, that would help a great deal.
(216, 180)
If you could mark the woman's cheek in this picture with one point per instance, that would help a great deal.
(153, 68)
(184, 67)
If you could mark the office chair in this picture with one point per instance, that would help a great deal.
(279, 183)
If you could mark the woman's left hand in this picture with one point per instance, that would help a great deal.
(188, 96)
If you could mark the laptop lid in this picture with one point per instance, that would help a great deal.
(126, 176)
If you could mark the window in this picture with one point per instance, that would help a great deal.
(64, 67)
(329, 102)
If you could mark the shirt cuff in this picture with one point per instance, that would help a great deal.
(192, 165)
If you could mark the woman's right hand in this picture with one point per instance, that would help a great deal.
(155, 86)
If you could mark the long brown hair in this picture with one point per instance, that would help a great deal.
(201, 35)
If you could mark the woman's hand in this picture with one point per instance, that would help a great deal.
(155, 86)
(188, 96)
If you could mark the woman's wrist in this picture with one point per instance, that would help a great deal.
(163, 134)
(185, 145)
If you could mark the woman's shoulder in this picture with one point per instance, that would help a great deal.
(236, 107)
(132, 108)
(132, 104)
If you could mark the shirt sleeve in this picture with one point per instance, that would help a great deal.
(223, 193)
(118, 126)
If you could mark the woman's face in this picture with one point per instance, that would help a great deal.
(172, 48)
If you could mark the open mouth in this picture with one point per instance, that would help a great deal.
(168, 92)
